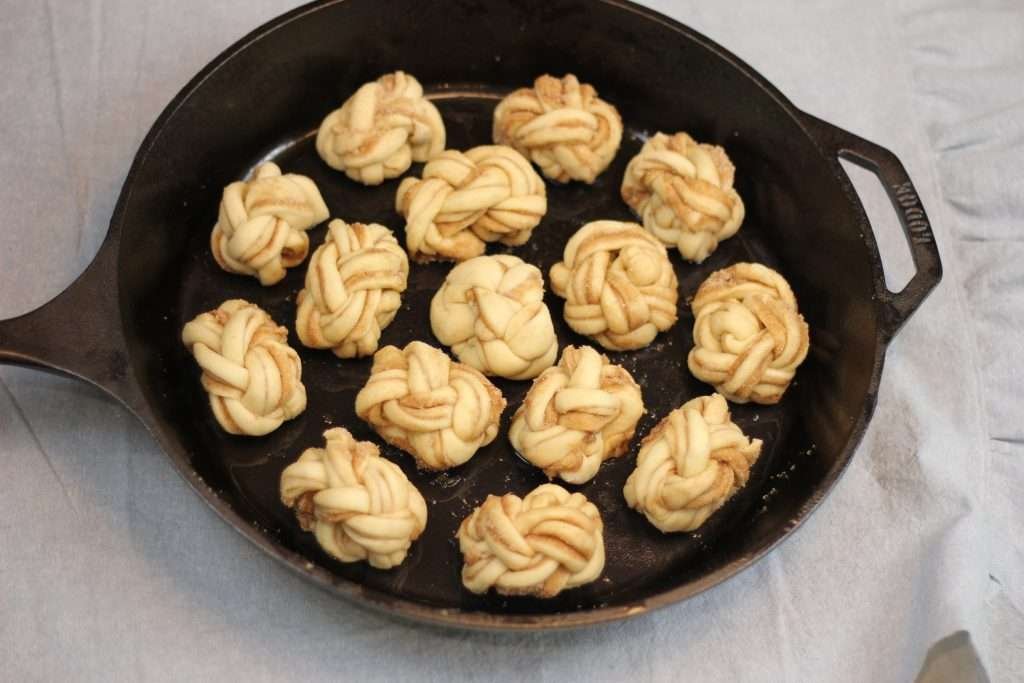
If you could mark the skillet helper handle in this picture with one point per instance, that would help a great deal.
(899, 306)
(77, 333)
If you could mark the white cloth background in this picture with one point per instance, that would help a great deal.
(111, 569)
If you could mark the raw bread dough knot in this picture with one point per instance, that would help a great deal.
(618, 284)
(491, 311)
(253, 377)
(359, 505)
(353, 289)
(690, 464)
(748, 336)
(576, 415)
(437, 410)
(683, 192)
(539, 545)
(379, 131)
(466, 199)
(262, 224)
(562, 126)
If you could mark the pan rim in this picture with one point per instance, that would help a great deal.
(394, 606)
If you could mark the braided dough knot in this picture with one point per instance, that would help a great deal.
(253, 377)
(748, 336)
(690, 464)
(466, 199)
(562, 126)
(379, 131)
(359, 505)
(538, 545)
(439, 411)
(353, 289)
(576, 415)
(683, 192)
(618, 284)
(262, 223)
(491, 311)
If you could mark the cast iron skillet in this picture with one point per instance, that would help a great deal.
(118, 325)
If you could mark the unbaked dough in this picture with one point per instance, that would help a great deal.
(683, 192)
(359, 505)
(577, 415)
(437, 410)
(262, 223)
(618, 284)
(252, 376)
(540, 545)
(748, 336)
(353, 289)
(491, 312)
(690, 464)
(379, 131)
(467, 199)
(562, 126)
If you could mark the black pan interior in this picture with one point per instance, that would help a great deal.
(265, 101)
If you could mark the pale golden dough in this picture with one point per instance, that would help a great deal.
(683, 193)
(540, 545)
(577, 415)
(359, 505)
(748, 337)
(353, 289)
(379, 131)
(254, 379)
(491, 311)
(690, 464)
(562, 126)
(438, 411)
(262, 223)
(618, 284)
(466, 199)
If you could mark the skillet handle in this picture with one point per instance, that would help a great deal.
(77, 333)
(898, 306)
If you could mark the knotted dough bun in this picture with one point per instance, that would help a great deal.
(353, 289)
(253, 378)
(748, 337)
(262, 223)
(379, 131)
(690, 464)
(491, 311)
(683, 193)
(618, 284)
(577, 415)
(539, 545)
(359, 505)
(466, 199)
(562, 126)
(437, 410)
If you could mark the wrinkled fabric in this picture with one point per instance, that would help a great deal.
(111, 569)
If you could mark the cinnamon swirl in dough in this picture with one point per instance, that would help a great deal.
(540, 545)
(748, 337)
(562, 126)
(690, 464)
(359, 505)
(262, 224)
(467, 199)
(577, 415)
(618, 284)
(683, 192)
(379, 131)
(253, 378)
(438, 411)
